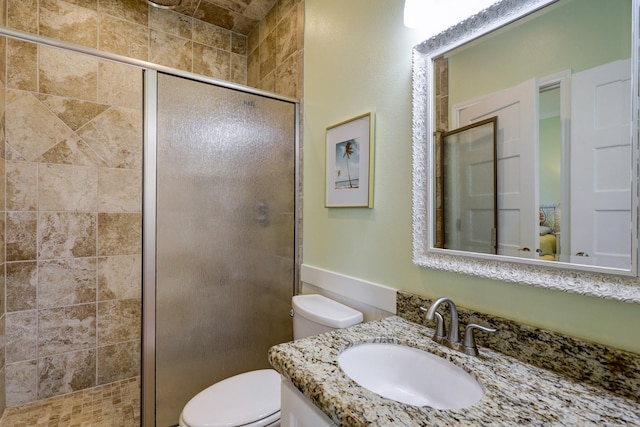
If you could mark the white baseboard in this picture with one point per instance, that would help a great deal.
(373, 294)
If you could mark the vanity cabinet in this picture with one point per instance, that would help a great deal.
(298, 411)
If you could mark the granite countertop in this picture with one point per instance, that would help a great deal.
(515, 393)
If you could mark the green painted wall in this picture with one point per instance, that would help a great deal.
(358, 59)
(550, 134)
(577, 35)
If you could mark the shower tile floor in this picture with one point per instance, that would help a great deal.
(112, 405)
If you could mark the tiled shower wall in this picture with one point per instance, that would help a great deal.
(73, 200)
(73, 175)
(276, 48)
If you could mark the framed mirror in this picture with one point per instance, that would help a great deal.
(560, 76)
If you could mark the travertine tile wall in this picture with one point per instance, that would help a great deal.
(134, 29)
(276, 49)
(73, 175)
(74, 213)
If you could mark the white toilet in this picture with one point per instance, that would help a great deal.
(252, 399)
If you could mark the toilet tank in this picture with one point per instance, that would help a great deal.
(315, 314)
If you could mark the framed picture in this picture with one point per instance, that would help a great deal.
(349, 166)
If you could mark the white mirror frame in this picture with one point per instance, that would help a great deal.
(617, 285)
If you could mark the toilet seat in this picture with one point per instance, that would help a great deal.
(248, 399)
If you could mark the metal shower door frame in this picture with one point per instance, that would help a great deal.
(149, 190)
(148, 398)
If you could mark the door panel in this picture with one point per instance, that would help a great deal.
(601, 188)
(516, 109)
(225, 236)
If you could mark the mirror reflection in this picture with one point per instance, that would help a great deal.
(559, 84)
(469, 215)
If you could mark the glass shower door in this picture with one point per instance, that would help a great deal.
(225, 244)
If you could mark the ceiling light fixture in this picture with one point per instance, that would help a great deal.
(438, 15)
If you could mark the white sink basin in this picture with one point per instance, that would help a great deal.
(410, 375)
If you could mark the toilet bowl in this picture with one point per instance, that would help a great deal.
(252, 399)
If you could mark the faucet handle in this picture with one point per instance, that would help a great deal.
(470, 347)
(441, 330)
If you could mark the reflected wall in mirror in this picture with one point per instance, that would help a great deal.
(559, 75)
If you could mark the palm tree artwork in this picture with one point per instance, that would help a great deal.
(347, 163)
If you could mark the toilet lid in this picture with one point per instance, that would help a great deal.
(236, 401)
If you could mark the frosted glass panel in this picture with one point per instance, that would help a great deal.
(225, 236)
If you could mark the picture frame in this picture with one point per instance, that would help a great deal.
(349, 163)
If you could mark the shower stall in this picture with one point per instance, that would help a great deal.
(220, 189)
(151, 225)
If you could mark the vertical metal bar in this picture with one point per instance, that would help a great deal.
(148, 400)
(297, 261)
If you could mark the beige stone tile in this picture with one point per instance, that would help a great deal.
(257, 9)
(300, 25)
(69, 22)
(253, 40)
(239, 69)
(3, 360)
(171, 51)
(67, 188)
(23, 15)
(75, 113)
(3, 59)
(66, 329)
(239, 44)
(170, 22)
(284, 6)
(3, 21)
(120, 85)
(66, 373)
(116, 135)
(119, 190)
(119, 234)
(268, 24)
(11, 153)
(66, 234)
(215, 15)
(21, 239)
(253, 68)
(88, 4)
(21, 380)
(2, 255)
(66, 282)
(110, 405)
(287, 77)
(119, 361)
(119, 277)
(129, 10)
(267, 55)
(119, 321)
(22, 65)
(211, 62)
(21, 186)
(123, 38)
(21, 335)
(286, 40)
(268, 83)
(21, 285)
(72, 151)
(300, 79)
(68, 74)
(211, 35)
(31, 128)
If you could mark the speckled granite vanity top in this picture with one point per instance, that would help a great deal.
(516, 393)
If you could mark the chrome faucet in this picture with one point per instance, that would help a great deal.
(452, 339)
